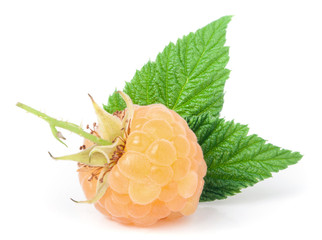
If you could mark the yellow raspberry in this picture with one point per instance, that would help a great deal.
(159, 174)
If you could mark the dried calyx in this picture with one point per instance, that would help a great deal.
(108, 145)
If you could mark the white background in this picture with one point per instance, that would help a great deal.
(52, 53)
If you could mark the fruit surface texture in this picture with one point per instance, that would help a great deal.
(159, 175)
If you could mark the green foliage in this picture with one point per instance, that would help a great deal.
(235, 160)
(115, 103)
(188, 76)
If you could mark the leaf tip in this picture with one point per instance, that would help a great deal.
(299, 156)
(229, 17)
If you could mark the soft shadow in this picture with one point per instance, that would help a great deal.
(197, 221)
(263, 191)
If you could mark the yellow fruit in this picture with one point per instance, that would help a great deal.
(144, 193)
(181, 167)
(168, 192)
(159, 173)
(117, 181)
(134, 165)
(188, 185)
(161, 152)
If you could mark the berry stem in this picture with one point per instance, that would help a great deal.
(65, 125)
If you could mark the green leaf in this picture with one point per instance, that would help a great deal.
(235, 160)
(115, 103)
(188, 76)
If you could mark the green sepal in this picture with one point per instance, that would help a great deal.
(109, 125)
(85, 157)
(126, 122)
(101, 187)
(105, 151)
